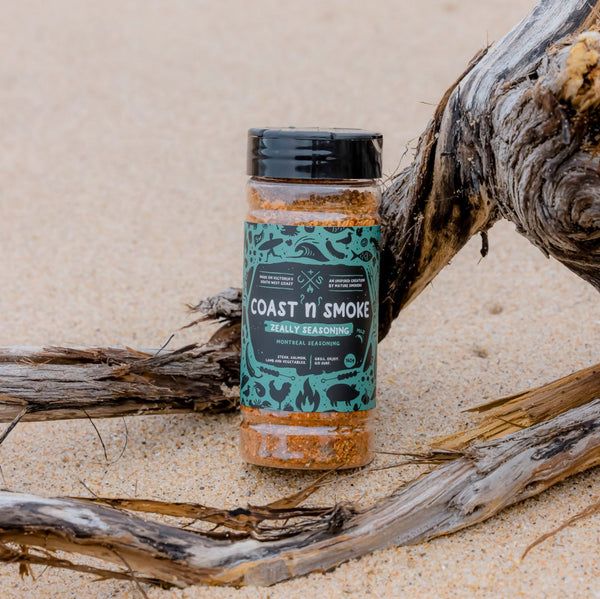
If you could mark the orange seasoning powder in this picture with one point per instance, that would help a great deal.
(310, 302)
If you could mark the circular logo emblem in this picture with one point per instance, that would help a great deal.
(349, 360)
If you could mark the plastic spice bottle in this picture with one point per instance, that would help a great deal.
(310, 298)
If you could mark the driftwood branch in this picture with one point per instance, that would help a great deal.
(519, 411)
(60, 383)
(516, 137)
(465, 490)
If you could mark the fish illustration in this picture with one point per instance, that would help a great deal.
(342, 393)
(265, 404)
(333, 251)
(364, 256)
(309, 250)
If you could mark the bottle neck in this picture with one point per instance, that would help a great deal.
(334, 182)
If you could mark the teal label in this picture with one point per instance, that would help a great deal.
(309, 320)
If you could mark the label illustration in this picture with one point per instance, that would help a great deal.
(309, 322)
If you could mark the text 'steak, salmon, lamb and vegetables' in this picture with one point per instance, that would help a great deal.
(310, 298)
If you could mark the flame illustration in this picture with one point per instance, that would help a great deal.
(308, 400)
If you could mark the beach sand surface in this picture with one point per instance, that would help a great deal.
(123, 135)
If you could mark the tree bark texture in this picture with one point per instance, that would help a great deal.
(516, 137)
(461, 492)
(510, 414)
(64, 383)
(61, 383)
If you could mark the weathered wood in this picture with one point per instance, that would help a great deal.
(515, 137)
(63, 383)
(530, 407)
(459, 493)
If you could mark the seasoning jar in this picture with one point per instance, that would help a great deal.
(310, 298)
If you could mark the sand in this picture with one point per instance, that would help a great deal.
(122, 128)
